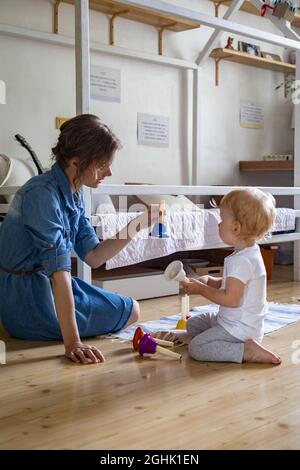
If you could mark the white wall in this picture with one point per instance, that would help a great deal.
(41, 85)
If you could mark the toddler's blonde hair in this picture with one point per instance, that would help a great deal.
(253, 209)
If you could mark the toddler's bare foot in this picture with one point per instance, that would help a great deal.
(177, 336)
(254, 352)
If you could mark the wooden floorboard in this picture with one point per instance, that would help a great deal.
(134, 403)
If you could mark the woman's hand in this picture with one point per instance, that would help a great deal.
(83, 353)
(151, 216)
(155, 214)
(148, 218)
(193, 286)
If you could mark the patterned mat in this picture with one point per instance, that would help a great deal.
(278, 316)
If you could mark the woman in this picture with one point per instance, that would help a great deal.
(39, 298)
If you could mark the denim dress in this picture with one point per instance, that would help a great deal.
(45, 222)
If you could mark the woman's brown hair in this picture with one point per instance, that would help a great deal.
(87, 138)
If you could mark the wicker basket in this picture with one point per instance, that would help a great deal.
(269, 258)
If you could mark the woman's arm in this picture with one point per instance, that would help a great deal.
(110, 247)
(230, 296)
(65, 309)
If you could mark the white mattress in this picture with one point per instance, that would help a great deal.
(187, 230)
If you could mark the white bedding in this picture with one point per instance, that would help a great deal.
(187, 231)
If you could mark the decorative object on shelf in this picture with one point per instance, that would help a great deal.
(264, 9)
(278, 157)
(248, 59)
(292, 57)
(271, 56)
(285, 9)
(2, 92)
(229, 44)
(251, 49)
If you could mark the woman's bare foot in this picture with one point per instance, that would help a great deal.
(254, 352)
(176, 336)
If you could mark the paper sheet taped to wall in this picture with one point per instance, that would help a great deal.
(251, 115)
(153, 130)
(105, 83)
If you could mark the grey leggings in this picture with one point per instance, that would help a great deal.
(209, 341)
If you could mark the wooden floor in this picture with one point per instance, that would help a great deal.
(134, 403)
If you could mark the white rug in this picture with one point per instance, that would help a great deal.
(278, 316)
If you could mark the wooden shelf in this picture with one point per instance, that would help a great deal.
(266, 165)
(254, 61)
(139, 14)
(248, 59)
(248, 7)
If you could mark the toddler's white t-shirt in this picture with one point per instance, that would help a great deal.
(247, 320)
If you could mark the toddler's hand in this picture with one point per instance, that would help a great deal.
(203, 279)
(193, 286)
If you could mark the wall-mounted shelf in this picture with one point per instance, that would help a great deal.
(248, 59)
(139, 14)
(250, 8)
(267, 165)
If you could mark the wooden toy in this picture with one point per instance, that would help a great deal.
(139, 334)
(149, 346)
(185, 308)
(175, 272)
(159, 229)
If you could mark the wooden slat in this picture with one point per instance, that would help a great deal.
(9, 190)
(4, 208)
(254, 61)
(141, 15)
(262, 165)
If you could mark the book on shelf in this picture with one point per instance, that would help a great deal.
(278, 157)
